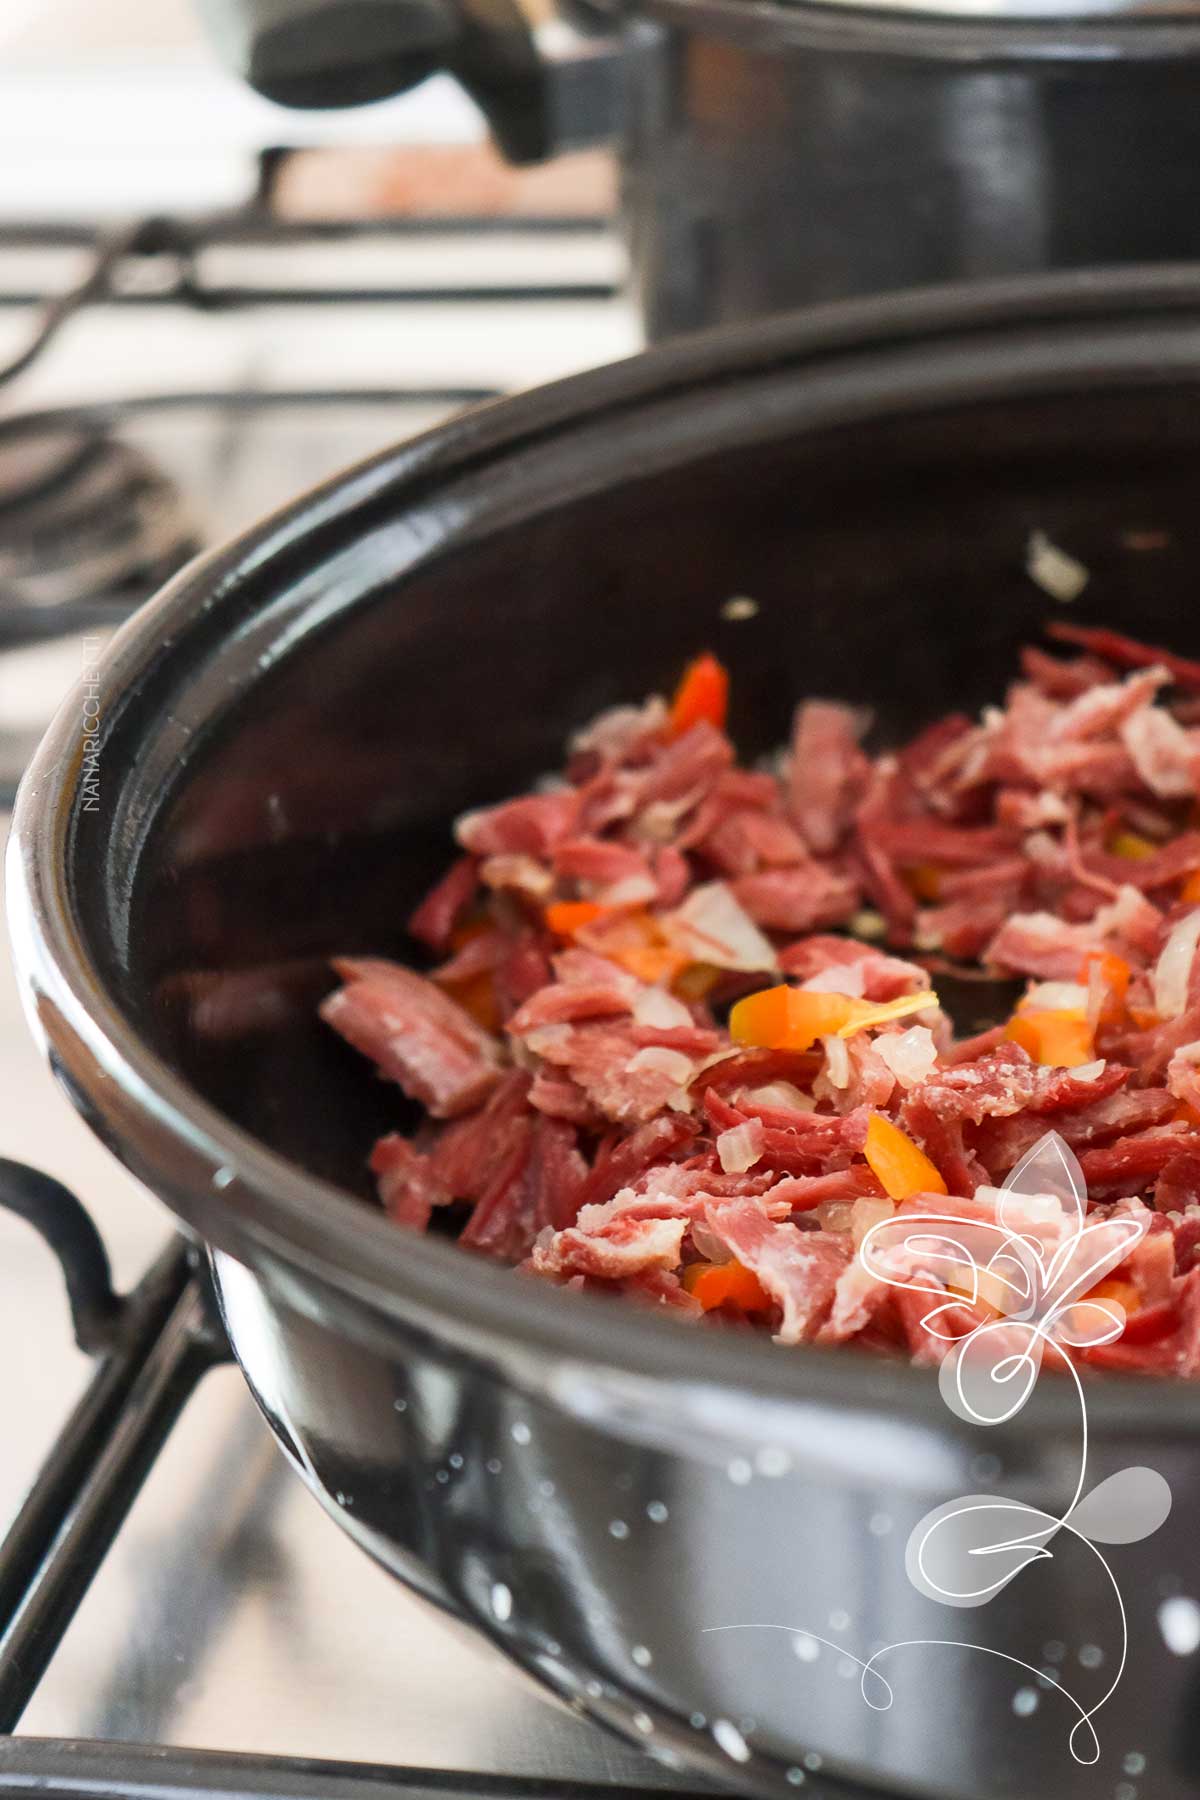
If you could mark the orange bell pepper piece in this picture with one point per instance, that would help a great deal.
(651, 963)
(477, 994)
(924, 881)
(1059, 1038)
(635, 941)
(726, 1284)
(789, 1018)
(1114, 971)
(1191, 887)
(696, 981)
(478, 997)
(1113, 1287)
(703, 693)
(899, 1164)
(1131, 845)
(566, 917)
(464, 934)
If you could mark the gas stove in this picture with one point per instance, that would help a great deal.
(177, 1615)
(164, 384)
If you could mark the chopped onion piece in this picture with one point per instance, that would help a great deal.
(712, 927)
(1055, 571)
(782, 1094)
(868, 923)
(708, 1245)
(910, 1055)
(632, 890)
(659, 821)
(1173, 969)
(837, 1061)
(925, 1001)
(1056, 996)
(841, 978)
(672, 1063)
(1121, 913)
(660, 1011)
(866, 1213)
(1181, 1073)
(833, 1215)
(1040, 847)
(1046, 808)
(1021, 1212)
(1089, 1071)
(1098, 991)
(522, 873)
(1162, 752)
(740, 1147)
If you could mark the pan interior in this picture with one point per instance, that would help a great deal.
(886, 559)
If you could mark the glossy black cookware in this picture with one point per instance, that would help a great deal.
(780, 152)
(286, 734)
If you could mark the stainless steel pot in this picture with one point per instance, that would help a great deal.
(779, 152)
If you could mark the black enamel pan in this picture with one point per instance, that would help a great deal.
(287, 732)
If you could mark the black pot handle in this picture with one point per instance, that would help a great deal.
(331, 53)
(67, 1228)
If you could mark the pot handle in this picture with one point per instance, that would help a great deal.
(67, 1229)
(100, 1316)
(334, 53)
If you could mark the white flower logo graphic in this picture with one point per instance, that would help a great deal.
(1034, 1268)
(1028, 1278)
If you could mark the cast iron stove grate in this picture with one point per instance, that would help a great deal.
(88, 527)
(94, 516)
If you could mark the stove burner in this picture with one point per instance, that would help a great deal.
(89, 526)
